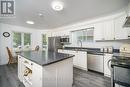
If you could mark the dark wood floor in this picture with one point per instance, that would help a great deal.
(8, 78)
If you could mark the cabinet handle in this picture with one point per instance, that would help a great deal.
(31, 63)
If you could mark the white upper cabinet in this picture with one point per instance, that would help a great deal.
(109, 30)
(120, 32)
(104, 30)
(98, 31)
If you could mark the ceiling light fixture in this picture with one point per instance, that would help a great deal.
(57, 5)
(40, 15)
(29, 22)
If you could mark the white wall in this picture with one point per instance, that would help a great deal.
(36, 37)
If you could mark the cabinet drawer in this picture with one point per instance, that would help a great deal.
(26, 83)
(27, 63)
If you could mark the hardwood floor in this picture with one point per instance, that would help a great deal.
(8, 78)
(90, 79)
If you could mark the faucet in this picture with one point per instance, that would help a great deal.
(80, 43)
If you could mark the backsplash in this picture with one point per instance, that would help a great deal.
(114, 44)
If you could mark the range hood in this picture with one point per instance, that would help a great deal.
(127, 22)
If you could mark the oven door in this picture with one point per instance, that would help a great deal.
(121, 76)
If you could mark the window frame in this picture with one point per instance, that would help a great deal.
(22, 39)
(82, 36)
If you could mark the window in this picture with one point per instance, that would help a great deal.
(90, 35)
(84, 35)
(27, 39)
(21, 40)
(44, 41)
(16, 39)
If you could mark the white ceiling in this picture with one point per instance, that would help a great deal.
(74, 11)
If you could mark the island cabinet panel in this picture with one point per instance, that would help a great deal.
(37, 75)
(58, 74)
(20, 69)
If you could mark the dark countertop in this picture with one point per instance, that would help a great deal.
(95, 51)
(44, 57)
(121, 60)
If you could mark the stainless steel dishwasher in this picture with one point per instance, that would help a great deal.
(95, 62)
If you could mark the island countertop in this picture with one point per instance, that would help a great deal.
(44, 57)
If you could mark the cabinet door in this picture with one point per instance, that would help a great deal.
(120, 32)
(20, 76)
(107, 71)
(109, 30)
(98, 31)
(75, 61)
(82, 60)
(37, 76)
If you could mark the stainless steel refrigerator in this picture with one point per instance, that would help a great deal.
(54, 43)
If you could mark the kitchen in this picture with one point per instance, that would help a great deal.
(90, 49)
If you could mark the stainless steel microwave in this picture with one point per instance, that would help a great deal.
(65, 39)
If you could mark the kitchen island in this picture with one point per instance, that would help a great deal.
(45, 69)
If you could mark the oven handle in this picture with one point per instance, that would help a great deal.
(108, 64)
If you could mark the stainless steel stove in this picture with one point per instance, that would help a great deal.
(120, 70)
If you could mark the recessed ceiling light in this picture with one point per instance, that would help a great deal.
(57, 5)
(40, 14)
(29, 22)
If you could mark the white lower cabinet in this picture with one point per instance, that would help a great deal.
(79, 60)
(107, 71)
(82, 60)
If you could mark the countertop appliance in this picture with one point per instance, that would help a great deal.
(65, 39)
(54, 43)
(120, 67)
(107, 49)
